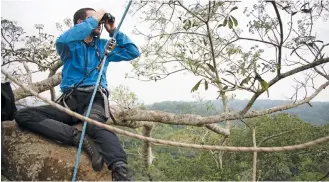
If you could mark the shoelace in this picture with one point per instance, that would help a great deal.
(89, 147)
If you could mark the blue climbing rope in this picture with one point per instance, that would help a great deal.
(94, 93)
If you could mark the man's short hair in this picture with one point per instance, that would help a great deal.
(81, 14)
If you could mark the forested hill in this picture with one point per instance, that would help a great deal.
(318, 114)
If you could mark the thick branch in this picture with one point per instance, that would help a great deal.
(131, 115)
(190, 119)
(52, 71)
(147, 147)
(164, 142)
(39, 87)
(217, 129)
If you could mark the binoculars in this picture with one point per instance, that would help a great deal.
(109, 17)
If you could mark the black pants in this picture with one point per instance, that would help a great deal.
(57, 125)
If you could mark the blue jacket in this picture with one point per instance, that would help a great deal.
(78, 58)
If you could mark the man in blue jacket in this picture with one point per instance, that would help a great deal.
(80, 49)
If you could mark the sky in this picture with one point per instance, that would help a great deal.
(173, 88)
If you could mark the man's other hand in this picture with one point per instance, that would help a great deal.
(110, 27)
(99, 14)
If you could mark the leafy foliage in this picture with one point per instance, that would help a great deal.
(189, 165)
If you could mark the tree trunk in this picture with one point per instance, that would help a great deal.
(29, 157)
(254, 159)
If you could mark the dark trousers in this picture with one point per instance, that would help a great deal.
(57, 125)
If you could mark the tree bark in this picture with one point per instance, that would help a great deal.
(39, 87)
(254, 159)
(29, 157)
(52, 71)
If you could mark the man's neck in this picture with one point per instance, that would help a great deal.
(89, 39)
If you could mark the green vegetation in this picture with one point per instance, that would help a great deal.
(173, 163)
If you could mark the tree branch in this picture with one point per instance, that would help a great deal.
(147, 149)
(277, 78)
(39, 87)
(180, 3)
(24, 60)
(52, 71)
(217, 129)
(262, 41)
(281, 37)
(254, 158)
(273, 136)
(190, 119)
(132, 115)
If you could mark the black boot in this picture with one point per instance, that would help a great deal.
(120, 172)
(91, 149)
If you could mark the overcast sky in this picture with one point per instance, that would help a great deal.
(174, 88)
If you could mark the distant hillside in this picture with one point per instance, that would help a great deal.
(317, 115)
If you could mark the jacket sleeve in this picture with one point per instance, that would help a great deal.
(125, 49)
(74, 35)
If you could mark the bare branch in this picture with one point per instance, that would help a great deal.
(284, 75)
(281, 37)
(273, 136)
(147, 149)
(28, 73)
(254, 159)
(262, 41)
(190, 119)
(180, 3)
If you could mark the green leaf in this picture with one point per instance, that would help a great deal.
(196, 86)
(263, 83)
(230, 72)
(234, 8)
(230, 22)
(243, 71)
(235, 21)
(187, 24)
(245, 81)
(217, 82)
(205, 85)
(212, 68)
(265, 86)
(225, 22)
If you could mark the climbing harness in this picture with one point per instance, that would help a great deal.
(100, 68)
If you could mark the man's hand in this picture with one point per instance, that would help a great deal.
(110, 27)
(99, 14)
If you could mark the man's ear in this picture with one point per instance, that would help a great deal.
(79, 21)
